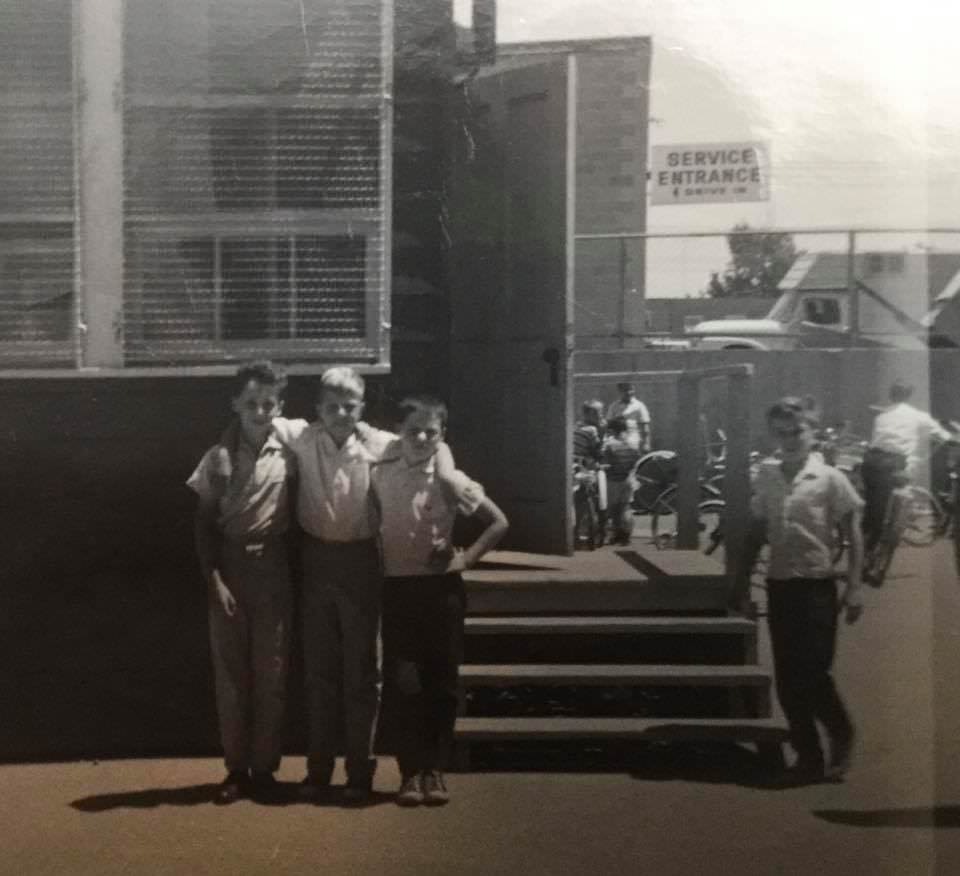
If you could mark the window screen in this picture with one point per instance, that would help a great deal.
(255, 217)
(36, 185)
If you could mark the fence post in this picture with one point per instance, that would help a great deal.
(736, 484)
(622, 327)
(688, 460)
(853, 293)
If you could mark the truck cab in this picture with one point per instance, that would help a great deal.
(797, 319)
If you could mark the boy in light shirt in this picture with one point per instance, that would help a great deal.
(423, 594)
(242, 485)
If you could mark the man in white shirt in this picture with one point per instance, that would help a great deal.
(898, 450)
(635, 413)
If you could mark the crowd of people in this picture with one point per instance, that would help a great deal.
(375, 513)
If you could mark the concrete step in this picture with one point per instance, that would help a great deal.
(607, 581)
(761, 730)
(599, 625)
(515, 675)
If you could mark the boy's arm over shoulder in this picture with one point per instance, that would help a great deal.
(288, 432)
(375, 440)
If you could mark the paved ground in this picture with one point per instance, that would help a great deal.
(898, 813)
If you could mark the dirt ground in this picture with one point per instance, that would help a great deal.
(671, 812)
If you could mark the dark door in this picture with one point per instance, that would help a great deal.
(512, 268)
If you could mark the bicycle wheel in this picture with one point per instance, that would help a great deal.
(923, 517)
(663, 518)
(877, 563)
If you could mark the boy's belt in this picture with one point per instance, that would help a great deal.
(363, 543)
(255, 543)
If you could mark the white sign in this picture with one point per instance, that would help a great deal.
(710, 173)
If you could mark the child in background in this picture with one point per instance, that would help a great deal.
(620, 457)
(588, 435)
(423, 593)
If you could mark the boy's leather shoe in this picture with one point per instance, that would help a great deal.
(263, 786)
(357, 794)
(232, 788)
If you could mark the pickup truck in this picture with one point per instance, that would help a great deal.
(819, 317)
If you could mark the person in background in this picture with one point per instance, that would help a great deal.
(899, 448)
(588, 437)
(620, 457)
(635, 413)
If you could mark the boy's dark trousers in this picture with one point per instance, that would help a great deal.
(802, 615)
(423, 649)
(341, 649)
(881, 471)
(250, 652)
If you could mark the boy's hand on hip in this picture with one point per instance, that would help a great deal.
(458, 562)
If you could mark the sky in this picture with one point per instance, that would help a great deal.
(859, 102)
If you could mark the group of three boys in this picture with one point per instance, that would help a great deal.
(376, 512)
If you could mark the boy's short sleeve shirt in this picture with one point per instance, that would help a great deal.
(333, 494)
(251, 489)
(633, 410)
(802, 516)
(417, 513)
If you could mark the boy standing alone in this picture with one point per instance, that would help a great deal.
(242, 485)
(798, 503)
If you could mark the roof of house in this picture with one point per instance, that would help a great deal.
(828, 271)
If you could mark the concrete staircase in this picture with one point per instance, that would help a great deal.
(662, 657)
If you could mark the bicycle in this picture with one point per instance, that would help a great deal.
(587, 504)
(655, 475)
(917, 517)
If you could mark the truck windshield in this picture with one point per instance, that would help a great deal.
(782, 310)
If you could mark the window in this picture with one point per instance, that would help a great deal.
(254, 200)
(36, 179)
(821, 311)
(251, 200)
(209, 298)
(885, 262)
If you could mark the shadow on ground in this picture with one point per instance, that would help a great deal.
(916, 816)
(197, 795)
(706, 762)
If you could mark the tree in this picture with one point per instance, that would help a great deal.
(758, 262)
